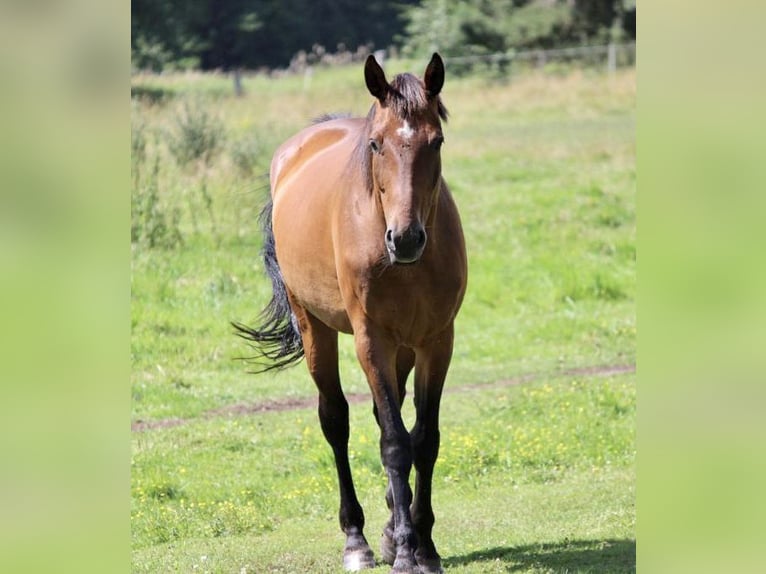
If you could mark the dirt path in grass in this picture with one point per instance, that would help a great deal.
(291, 404)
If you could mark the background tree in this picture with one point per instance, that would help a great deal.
(474, 27)
(225, 34)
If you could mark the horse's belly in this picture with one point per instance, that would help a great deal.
(321, 298)
(305, 254)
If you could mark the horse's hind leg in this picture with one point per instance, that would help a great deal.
(321, 348)
(430, 372)
(405, 360)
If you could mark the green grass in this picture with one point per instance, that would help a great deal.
(544, 467)
(531, 478)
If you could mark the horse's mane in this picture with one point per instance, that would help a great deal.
(407, 98)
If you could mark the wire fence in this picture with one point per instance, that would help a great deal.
(610, 56)
(501, 65)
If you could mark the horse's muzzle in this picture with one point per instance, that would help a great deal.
(407, 246)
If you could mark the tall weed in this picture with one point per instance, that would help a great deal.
(152, 224)
(196, 138)
(197, 135)
(245, 154)
(137, 144)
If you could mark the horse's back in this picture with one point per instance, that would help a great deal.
(320, 148)
(308, 172)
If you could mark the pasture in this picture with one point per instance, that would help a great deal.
(230, 472)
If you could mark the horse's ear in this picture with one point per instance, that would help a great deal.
(375, 79)
(434, 76)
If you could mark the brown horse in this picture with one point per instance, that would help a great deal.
(362, 236)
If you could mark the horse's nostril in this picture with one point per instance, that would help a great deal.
(389, 236)
(421, 237)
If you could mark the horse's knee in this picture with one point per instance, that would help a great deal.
(396, 451)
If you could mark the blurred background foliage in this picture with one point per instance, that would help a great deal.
(257, 34)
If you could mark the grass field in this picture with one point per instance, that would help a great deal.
(532, 477)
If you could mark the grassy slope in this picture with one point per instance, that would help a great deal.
(543, 171)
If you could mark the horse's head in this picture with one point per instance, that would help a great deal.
(404, 139)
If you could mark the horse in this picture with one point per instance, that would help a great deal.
(362, 236)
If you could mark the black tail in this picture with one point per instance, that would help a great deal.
(278, 340)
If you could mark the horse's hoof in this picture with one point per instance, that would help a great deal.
(433, 566)
(406, 563)
(429, 560)
(359, 559)
(387, 549)
(406, 569)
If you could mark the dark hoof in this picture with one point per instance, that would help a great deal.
(405, 563)
(429, 562)
(433, 566)
(359, 559)
(406, 569)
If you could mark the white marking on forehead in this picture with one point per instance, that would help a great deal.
(406, 132)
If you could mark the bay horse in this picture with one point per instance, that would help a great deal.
(362, 236)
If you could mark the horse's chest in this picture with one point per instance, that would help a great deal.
(412, 310)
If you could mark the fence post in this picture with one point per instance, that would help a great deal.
(308, 73)
(541, 59)
(238, 91)
(611, 58)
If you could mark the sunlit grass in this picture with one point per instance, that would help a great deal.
(226, 477)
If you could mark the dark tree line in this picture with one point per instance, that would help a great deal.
(254, 33)
(227, 34)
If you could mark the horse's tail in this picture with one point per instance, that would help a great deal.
(278, 339)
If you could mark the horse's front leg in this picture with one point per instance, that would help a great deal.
(377, 355)
(405, 360)
(320, 344)
(431, 367)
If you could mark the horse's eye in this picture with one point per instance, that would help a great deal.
(437, 142)
(375, 146)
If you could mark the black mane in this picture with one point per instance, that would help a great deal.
(408, 97)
